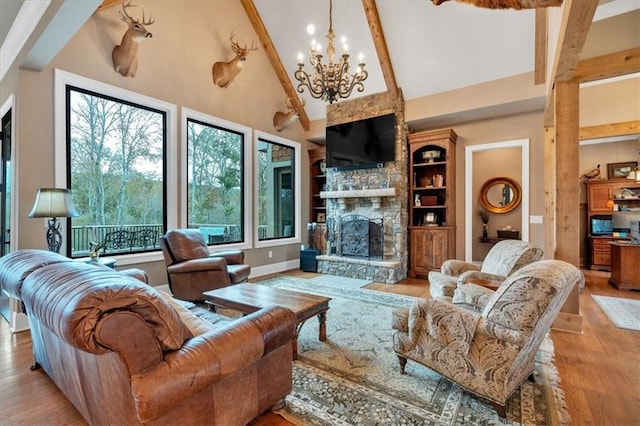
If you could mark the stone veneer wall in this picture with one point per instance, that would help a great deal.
(393, 210)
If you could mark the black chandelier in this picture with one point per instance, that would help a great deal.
(332, 81)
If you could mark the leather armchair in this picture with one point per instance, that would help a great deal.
(503, 259)
(489, 350)
(192, 270)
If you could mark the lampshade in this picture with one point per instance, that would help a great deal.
(53, 202)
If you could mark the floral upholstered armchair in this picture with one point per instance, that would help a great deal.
(503, 259)
(488, 350)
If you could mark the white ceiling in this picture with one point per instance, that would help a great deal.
(432, 49)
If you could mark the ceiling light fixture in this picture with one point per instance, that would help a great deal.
(330, 82)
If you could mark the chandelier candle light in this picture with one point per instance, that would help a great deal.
(53, 203)
(331, 81)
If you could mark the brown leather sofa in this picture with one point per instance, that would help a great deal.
(123, 353)
(192, 270)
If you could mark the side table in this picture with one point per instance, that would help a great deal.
(104, 261)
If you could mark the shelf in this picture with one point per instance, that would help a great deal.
(435, 163)
(428, 188)
(374, 194)
(360, 193)
(439, 206)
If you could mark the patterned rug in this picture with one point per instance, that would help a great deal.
(623, 313)
(353, 378)
(341, 281)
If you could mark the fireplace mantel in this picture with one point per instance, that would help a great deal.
(374, 194)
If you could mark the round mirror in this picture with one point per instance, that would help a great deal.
(500, 195)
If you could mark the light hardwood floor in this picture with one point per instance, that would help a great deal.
(599, 369)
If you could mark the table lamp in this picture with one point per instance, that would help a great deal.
(53, 203)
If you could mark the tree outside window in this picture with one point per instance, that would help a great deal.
(215, 184)
(116, 156)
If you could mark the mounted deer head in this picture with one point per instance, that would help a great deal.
(507, 4)
(285, 119)
(125, 55)
(225, 72)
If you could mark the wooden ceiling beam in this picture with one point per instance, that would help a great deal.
(612, 129)
(276, 63)
(371, 11)
(607, 66)
(540, 67)
(577, 16)
(108, 3)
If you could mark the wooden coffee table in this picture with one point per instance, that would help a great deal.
(248, 298)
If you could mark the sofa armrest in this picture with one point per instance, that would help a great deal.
(209, 358)
(198, 265)
(484, 279)
(472, 295)
(446, 323)
(233, 257)
(455, 267)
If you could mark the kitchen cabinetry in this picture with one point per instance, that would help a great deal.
(603, 195)
(432, 228)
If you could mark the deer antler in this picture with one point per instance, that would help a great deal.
(151, 20)
(128, 18)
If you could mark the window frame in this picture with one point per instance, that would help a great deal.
(62, 79)
(297, 182)
(247, 182)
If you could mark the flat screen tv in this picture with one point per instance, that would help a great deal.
(367, 143)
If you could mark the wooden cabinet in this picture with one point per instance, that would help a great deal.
(602, 196)
(625, 266)
(601, 252)
(432, 162)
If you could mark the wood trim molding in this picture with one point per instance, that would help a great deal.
(607, 66)
(540, 68)
(276, 63)
(371, 11)
(611, 129)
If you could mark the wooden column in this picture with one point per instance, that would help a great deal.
(549, 192)
(567, 193)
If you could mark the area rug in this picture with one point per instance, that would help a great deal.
(623, 313)
(353, 378)
(341, 281)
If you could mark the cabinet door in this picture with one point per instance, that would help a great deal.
(419, 252)
(436, 248)
(598, 197)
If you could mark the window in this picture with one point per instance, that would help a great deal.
(116, 166)
(277, 190)
(217, 194)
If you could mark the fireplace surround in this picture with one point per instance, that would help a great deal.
(377, 195)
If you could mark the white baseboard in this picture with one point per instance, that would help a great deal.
(274, 268)
(19, 322)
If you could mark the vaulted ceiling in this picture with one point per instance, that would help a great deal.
(424, 49)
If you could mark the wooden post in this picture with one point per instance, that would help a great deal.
(567, 193)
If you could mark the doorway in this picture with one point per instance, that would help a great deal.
(476, 152)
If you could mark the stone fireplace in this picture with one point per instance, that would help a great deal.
(367, 208)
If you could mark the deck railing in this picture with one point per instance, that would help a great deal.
(83, 235)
